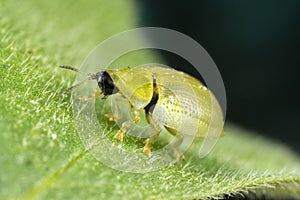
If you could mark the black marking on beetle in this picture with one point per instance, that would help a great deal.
(106, 84)
(151, 105)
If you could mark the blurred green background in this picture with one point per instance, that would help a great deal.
(255, 45)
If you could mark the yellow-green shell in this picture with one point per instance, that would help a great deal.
(184, 104)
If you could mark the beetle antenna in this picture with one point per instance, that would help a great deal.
(70, 89)
(71, 68)
(90, 76)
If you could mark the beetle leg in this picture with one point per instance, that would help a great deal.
(176, 146)
(126, 124)
(136, 116)
(122, 131)
(97, 94)
(149, 141)
(112, 117)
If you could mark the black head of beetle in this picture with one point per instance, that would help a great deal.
(106, 84)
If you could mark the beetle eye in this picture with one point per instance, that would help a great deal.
(99, 76)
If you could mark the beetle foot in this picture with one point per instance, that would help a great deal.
(86, 98)
(147, 149)
(120, 135)
(179, 155)
(136, 116)
(112, 117)
(91, 97)
(136, 119)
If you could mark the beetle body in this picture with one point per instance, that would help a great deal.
(175, 96)
(171, 99)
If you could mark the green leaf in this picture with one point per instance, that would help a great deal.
(41, 153)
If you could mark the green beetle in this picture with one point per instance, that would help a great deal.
(170, 99)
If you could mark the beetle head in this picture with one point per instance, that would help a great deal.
(106, 84)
